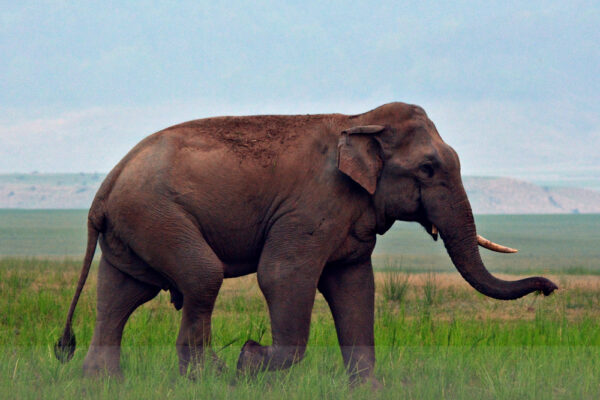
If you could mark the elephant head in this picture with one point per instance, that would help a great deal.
(396, 154)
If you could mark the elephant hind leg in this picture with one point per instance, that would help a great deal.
(193, 341)
(118, 295)
(197, 274)
(172, 244)
(199, 289)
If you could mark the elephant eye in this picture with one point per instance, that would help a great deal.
(427, 170)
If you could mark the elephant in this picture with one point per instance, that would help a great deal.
(296, 199)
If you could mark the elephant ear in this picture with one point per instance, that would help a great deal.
(359, 155)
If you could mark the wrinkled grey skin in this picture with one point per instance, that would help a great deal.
(298, 200)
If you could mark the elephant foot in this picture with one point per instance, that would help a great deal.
(193, 368)
(370, 381)
(102, 362)
(251, 358)
(218, 364)
(255, 358)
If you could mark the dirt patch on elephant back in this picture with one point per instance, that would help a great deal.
(261, 137)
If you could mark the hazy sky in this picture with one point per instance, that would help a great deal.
(513, 86)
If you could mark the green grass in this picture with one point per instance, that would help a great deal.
(436, 337)
(440, 341)
(395, 286)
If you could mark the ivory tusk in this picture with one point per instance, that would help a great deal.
(488, 244)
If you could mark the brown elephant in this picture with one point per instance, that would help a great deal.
(298, 200)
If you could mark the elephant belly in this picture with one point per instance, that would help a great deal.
(232, 270)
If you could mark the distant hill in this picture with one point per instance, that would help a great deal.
(65, 191)
(488, 195)
(511, 196)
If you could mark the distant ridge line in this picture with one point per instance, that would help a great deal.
(488, 195)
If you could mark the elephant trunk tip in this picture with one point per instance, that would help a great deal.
(546, 286)
(65, 347)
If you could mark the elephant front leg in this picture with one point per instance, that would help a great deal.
(287, 276)
(350, 293)
(290, 308)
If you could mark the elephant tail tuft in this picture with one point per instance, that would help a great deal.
(65, 347)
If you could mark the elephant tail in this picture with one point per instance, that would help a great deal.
(65, 347)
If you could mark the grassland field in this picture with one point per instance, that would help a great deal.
(436, 337)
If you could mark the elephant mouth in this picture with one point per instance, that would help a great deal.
(430, 228)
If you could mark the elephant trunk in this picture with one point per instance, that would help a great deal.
(457, 229)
